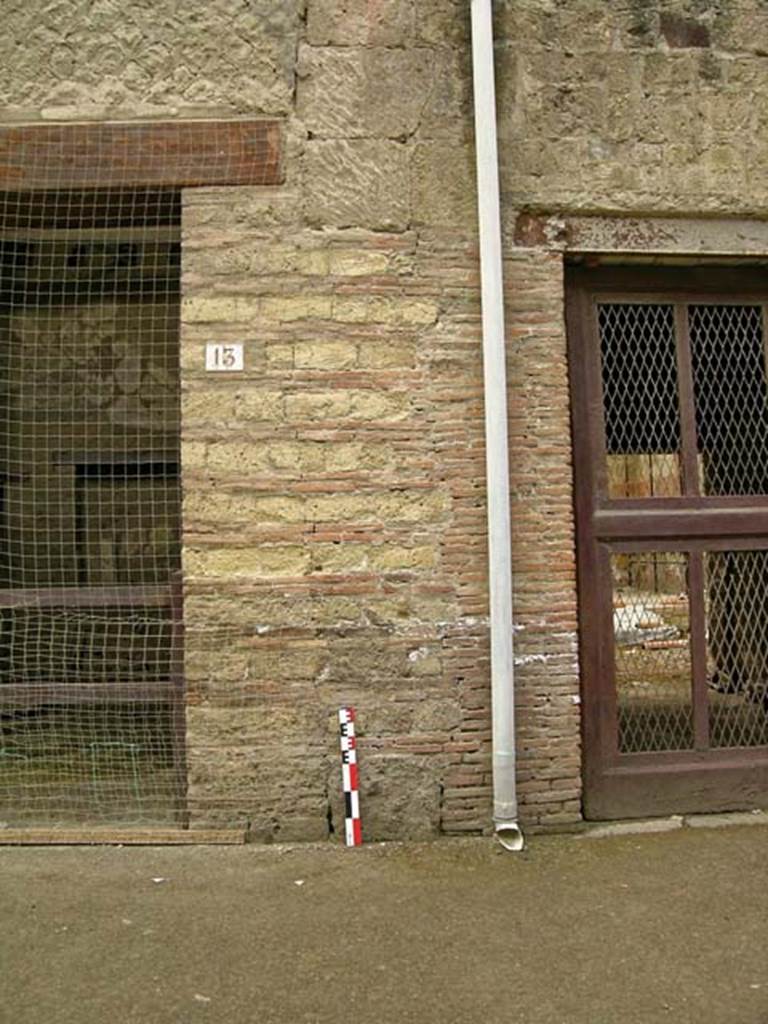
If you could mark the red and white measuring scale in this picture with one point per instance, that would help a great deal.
(352, 826)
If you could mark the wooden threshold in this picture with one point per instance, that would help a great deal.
(121, 837)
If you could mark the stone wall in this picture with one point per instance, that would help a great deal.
(641, 106)
(334, 516)
(75, 60)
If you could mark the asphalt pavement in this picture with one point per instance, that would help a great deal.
(617, 930)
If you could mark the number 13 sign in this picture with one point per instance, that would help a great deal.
(219, 357)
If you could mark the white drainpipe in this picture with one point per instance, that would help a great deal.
(496, 445)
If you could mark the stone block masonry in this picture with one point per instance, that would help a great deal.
(632, 108)
(334, 495)
(362, 279)
(318, 517)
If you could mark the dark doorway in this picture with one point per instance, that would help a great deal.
(91, 682)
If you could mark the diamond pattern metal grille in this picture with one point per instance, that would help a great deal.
(737, 641)
(639, 378)
(652, 656)
(731, 398)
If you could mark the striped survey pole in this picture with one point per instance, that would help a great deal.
(352, 826)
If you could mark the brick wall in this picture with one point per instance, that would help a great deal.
(335, 527)
(335, 510)
(543, 559)
(315, 512)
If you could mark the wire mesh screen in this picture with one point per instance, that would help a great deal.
(726, 346)
(91, 691)
(639, 379)
(737, 643)
(93, 710)
(731, 398)
(654, 658)
(652, 651)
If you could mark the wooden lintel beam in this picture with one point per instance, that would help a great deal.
(169, 154)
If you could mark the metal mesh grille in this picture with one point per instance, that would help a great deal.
(737, 612)
(652, 655)
(731, 397)
(91, 712)
(639, 377)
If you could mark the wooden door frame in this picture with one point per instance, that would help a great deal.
(628, 785)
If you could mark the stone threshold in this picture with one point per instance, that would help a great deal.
(672, 823)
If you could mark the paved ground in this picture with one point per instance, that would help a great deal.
(646, 928)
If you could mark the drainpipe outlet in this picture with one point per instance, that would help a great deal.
(509, 835)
